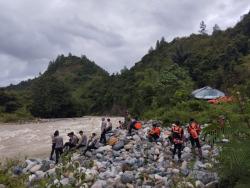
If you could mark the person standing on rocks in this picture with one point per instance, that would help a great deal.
(53, 145)
(109, 125)
(58, 145)
(194, 131)
(177, 136)
(82, 141)
(103, 131)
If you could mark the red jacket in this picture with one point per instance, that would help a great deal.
(155, 130)
(194, 130)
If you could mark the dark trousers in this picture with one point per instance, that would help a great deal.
(80, 146)
(103, 137)
(131, 126)
(153, 137)
(68, 144)
(179, 148)
(52, 151)
(59, 152)
(195, 142)
(89, 148)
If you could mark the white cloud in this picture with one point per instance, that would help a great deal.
(113, 33)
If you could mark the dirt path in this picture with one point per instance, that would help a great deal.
(33, 139)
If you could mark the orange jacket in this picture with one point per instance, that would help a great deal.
(155, 130)
(194, 130)
(177, 133)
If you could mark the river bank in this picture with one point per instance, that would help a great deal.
(33, 139)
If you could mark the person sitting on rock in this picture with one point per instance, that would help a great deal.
(58, 145)
(103, 131)
(120, 125)
(154, 133)
(92, 143)
(194, 131)
(82, 140)
(109, 125)
(72, 141)
(134, 125)
(177, 136)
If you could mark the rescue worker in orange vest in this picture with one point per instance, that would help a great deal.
(154, 133)
(194, 131)
(134, 124)
(177, 136)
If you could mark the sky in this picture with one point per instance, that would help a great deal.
(113, 33)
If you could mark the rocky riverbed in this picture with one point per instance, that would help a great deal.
(129, 161)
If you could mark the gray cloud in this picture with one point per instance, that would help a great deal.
(113, 33)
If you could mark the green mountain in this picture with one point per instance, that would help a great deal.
(162, 80)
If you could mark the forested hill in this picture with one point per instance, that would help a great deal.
(162, 80)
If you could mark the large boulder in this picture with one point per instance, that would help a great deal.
(119, 145)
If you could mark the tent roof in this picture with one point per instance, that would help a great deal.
(207, 93)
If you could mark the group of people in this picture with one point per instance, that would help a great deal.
(177, 137)
(153, 135)
(74, 142)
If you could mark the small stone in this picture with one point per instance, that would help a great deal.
(187, 150)
(39, 174)
(212, 184)
(64, 181)
(224, 140)
(199, 184)
(32, 177)
(175, 171)
(99, 184)
(137, 138)
(127, 177)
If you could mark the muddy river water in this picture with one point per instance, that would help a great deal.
(34, 139)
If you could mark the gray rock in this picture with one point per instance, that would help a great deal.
(99, 184)
(35, 168)
(64, 181)
(99, 156)
(212, 184)
(39, 174)
(45, 166)
(204, 177)
(127, 177)
(17, 170)
(137, 138)
(199, 184)
(118, 146)
(2, 186)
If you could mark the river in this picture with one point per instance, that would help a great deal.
(34, 139)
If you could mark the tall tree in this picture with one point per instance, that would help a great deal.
(203, 26)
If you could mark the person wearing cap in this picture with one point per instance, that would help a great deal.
(58, 145)
(103, 131)
(72, 141)
(154, 133)
(82, 140)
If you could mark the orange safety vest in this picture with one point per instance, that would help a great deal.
(155, 130)
(177, 135)
(194, 130)
(138, 125)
